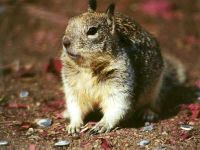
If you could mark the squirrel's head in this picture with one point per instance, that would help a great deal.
(89, 33)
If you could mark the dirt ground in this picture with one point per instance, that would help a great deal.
(30, 43)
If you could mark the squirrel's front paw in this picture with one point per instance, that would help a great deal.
(150, 116)
(74, 128)
(65, 114)
(100, 127)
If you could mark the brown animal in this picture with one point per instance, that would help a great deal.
(112, 63)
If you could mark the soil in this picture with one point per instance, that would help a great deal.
(30, 45)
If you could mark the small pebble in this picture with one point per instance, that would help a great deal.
(3, 142)
(30, 131)
(146, 124)
(44, 122)
(160, 148)
(34, 137)
(164, 133)
(191, 123)
(76, 136)
(2, 9)
(62, 143)
(143, 142)
(147, 127)
(186, 127)
(23, 94)
(126, 145)
(198, 95)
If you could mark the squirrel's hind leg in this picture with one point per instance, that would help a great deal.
(149, 102)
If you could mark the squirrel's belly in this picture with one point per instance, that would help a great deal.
(88, 91)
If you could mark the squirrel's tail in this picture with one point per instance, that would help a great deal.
(174, 77)
(174, 71)
(173, 91)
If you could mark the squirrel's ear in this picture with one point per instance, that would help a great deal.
(110, 10)
(92, 5)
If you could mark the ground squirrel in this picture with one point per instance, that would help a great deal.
(112, 63)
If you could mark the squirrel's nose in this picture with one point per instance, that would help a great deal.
(66, 42)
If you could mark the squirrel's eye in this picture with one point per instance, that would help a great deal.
(92, 31)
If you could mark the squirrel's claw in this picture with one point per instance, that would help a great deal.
(93, 131)
(71, 129)
(100, 128)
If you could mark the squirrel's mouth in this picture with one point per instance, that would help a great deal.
(72, 55)
(77, 58)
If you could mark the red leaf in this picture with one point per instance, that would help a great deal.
(184, 135)
(54, 66)
(193, 108)
(57, 64)
(31, 147)
(105, 145)
(193, 41)
(25, 125)
(158, 8)
(197, 83)
(47, 109)
(16, 105)
(197, 17)
(58, 103)
(44, 133)
(53, 105)
(87, 142)
(58, 115)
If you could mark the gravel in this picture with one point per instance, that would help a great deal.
(62, 143)
(44, 122)
(3, 142)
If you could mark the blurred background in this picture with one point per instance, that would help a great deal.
(30, 46)
(31, 30)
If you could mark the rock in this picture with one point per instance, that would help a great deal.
(3, 142)
(191, 123)
(197, 94)
(143, 143)
(148, 127)
(62, 143)
(2, 9)
(164, 133)
(34, 137)
(44, 122)
(30, 131)
(146, 124)
(126, 145)
(198, 98)
(186, 127)
(160, 148)
(23, 94)
(76, 136)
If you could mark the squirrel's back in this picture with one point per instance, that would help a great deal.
(142, 50)
(126, 26)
